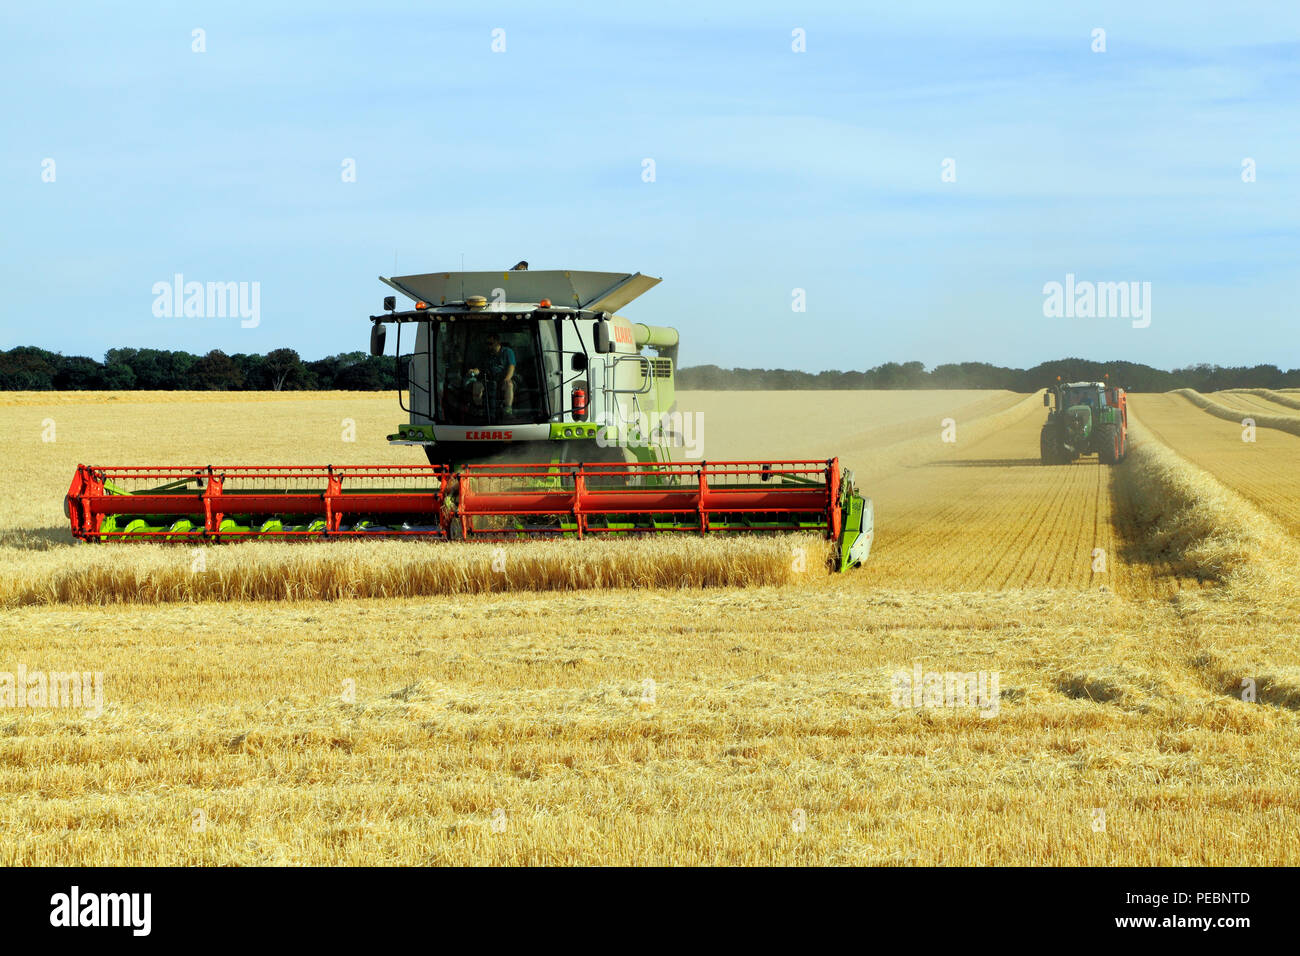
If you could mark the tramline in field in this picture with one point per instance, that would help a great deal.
(540, 416)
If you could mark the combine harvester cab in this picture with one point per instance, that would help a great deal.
(1085, 418)
(540, 417)
(579, 388)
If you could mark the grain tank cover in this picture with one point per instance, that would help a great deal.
(594, 291)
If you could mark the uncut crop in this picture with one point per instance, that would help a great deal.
(331, 571)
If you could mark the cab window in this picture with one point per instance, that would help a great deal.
(469, 372)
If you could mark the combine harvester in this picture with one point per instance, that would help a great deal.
(541, 417)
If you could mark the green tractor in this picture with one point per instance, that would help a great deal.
(1086, 418)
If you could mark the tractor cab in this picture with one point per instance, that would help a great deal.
(1090, 394)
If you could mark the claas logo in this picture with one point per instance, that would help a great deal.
(488, 436)
(622, 334)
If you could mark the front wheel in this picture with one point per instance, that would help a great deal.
(1108, 445)
(1048, 448)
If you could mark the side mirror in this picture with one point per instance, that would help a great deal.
(604, 337)
(1047, 399)
(579, 362)
(377, 335)
(390, 303)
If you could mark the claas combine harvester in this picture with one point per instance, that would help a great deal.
(542, 415)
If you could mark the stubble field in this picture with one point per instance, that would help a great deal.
(642, 722)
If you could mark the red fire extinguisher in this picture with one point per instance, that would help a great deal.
(579, 403)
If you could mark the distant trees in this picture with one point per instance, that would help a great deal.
(154, 369)
(282, 370)
(78, 372)
(1133, 376)
(218, 372)
(27, 368)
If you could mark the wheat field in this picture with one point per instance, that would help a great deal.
(677, 702)
(1263, 471)
(1262, 412)
(1264, 399)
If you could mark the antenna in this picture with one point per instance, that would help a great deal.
(462, 277)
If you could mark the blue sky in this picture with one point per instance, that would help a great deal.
(775, 170)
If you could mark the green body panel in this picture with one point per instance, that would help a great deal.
(1079, 421)
(412, 432)
(560, 431)
(852, 520)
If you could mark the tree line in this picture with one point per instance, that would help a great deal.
(31, 369)
(27, 368)
(1132, 376)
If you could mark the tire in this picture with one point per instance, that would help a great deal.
(1108, 444)
(1047, 447)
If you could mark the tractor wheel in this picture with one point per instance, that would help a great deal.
(1108, 445)
(1048, 449)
